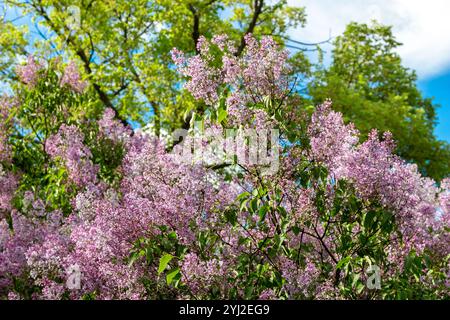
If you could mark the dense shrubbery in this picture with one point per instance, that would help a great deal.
(79, 189)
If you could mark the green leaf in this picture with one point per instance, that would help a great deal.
(243, 205)
(254, 205)
(369, 219)
(231, 217)
(172, 235)
(263, 212)
(355, 279)
(343, 262)
(172, 274)
(221, 115)
(360, 287)
(164, 261)
(267, 100)
(243, 195)
(249, 292)
(133, 259)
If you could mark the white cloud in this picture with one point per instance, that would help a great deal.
(422, 26)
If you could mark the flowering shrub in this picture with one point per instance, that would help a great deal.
(138, 221)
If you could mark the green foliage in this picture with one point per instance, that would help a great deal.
(124, 46)
(161, 253)
(418, 270)
(39, 111)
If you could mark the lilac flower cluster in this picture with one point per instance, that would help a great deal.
(67, 146)
(8, 180)
(6, 104)
(205, 79)
(331, 140)
(98, 236)
(379, 174)
(259, 73)
(113, 130)
(71, 78)
(8, 186)
(30, 72)
(159, 190)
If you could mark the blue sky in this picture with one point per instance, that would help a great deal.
(439, 88)
(421, 26)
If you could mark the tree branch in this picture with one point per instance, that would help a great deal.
(258, 5)
(196, 26)
(86, 63)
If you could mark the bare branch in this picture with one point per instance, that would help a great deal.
(196, 26)
(258, 6)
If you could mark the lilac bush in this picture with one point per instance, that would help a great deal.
(165, 227)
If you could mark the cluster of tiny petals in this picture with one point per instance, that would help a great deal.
(68, 146)
(264, 68)
(71, 78)
(267, 294)
(98, 236)
(8, 186)
(15, 243)
(8, 180)
(159, 190)
(6, 104)
(378, 174)
(332, 142)
(259, 72)
(204, 79)
(112, 129)
(30, 72)
(445, 196)
(298, 281)
(223, 43)
(197, 273)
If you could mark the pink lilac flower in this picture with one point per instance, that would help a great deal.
(6, 122)
(68, 146)
(267, 294)
(8, 186)
(113, 129)
(30, 72)
(71, 77)
(159, 188)
(378, 174)
(332, 141)
(260, 72)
